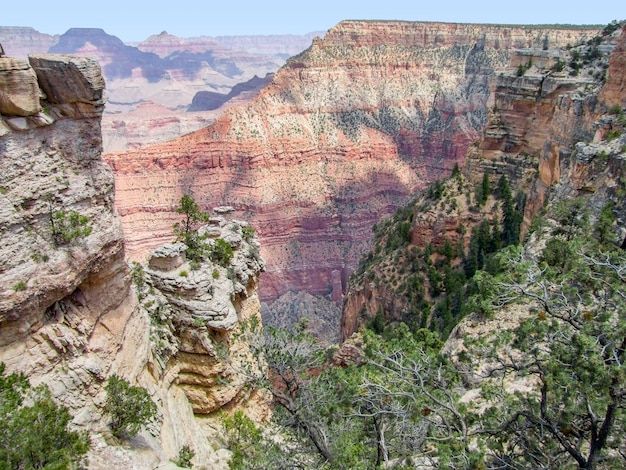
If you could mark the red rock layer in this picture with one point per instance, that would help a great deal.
(533, 126)
(342, 135)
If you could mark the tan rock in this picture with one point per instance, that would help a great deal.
(19, 91)
(75, 84)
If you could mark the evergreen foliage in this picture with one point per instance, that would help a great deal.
(185, 231)
(68, 227)
(400, 406)
(34, 430)
(572, 351)
(129, 407)
(220, 252)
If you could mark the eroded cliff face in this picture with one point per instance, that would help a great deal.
(69, 317)
(546, 132)
(337, 141)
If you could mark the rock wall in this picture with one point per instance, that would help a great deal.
(68, 315)
(342, 135)
(542, 133)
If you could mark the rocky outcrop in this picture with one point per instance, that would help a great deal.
(19, 95)
(60, 146)
(540, 114)
(68, 315)
(197, 313)
(343, 134)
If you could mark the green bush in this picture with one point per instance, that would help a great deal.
(19, 286)
(34, 430)
(248, 232)
(221, 252)
(185, 454)
(67, 227)
(185, 231)
(129, 407)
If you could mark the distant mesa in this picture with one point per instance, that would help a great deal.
(209, 101)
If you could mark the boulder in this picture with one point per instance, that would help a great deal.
(168, 257)
(19, 91)
(75, 84)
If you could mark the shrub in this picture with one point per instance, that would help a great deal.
(185, 454)
(129, 407)
(68, 227)
(19, 286)
(221, 252)
(34, 430)
(248, 232)
(185, 231)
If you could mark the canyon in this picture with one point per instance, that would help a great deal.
(549, 134)
(94, 282)
(152, 85)
(343, 135)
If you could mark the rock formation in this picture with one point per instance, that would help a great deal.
(69, 317)
(208, 101)
(339, 139)
(544, 133)
(19, 41)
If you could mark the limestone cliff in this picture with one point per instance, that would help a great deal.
(551, 132)
(344, 133)
(68, 315)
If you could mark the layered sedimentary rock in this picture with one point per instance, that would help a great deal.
(19, 41)
(342, 135)
(68, 315)
(165, 71)
(541, 117)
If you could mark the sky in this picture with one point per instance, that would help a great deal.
(136, 20)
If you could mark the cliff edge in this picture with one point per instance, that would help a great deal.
(70, 315)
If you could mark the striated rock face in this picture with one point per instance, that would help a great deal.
(534, 136)
(150, 123)
(68, 316)
(19, 95)
(19, 41)
(345, 131)
(539, 117)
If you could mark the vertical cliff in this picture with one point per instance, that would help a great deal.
(69, 314)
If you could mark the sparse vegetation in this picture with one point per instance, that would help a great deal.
(68, 227)
(34, 431)
(186, 232)
(185, 454)
(221, 252)
(129, 407)
(19, 286)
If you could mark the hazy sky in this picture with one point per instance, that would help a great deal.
(135, 20)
